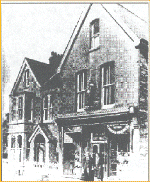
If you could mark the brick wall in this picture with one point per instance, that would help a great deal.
(116, 46)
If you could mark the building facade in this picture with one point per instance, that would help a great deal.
(104, 123)
(90, 116)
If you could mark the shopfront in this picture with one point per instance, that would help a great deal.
(96, 150)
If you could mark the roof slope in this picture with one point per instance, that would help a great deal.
(42, 71)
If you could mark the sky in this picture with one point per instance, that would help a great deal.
(35, 30)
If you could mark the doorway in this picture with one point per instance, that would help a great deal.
(100, 160)
(39, 149)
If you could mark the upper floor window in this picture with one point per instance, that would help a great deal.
(27, 78)
(107, 84)
(45, 108)
(20, 107)
(80, 90)
(94, 26)
(14, 109)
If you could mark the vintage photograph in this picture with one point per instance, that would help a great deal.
(74, 91)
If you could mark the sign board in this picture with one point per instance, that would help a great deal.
(67, 139)
(118, 128)
(98, 138)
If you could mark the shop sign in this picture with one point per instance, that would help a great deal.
(67, 139)
(77, 129)
(98, 137)
(118, 128)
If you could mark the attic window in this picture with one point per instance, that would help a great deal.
(94, 27)
(27, 78)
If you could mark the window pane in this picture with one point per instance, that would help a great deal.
(13, 142)
(112, 94)
(96, 26)
(112, 76)
(46, 114)
(20, 141)
(46, 102)
(79, 101)
(20, 113)
(20, 102)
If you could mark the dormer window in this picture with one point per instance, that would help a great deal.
(27, 78)
(94, 27)
(80, 91)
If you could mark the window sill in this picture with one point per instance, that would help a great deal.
(94, 49)
(108, 106)
(81, 110)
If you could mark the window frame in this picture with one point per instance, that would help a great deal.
(107, 84)
(81, 83)
(48, 109)
(14, 109)
(27, 78)
(13, 142)
(20, 108)
(94, 34)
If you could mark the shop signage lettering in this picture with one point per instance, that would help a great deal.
(98, 137)
(118, 128)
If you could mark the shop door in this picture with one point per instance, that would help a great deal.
(100, 157)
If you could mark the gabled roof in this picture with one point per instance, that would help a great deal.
(45, 132)
(40, 71)
(129, 28)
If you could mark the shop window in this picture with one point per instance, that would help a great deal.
(14, 109)
(80, 91)
(19, 141)
(20, 107)
(13, 140)
(94, 27)
(27, 78)
(107, 84)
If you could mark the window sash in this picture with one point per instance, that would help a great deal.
(20, 113)
(80, 90)
(107, 84)
(27, 78)
(20, 104)
(47, 108)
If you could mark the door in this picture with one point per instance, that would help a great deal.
(100, 160)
